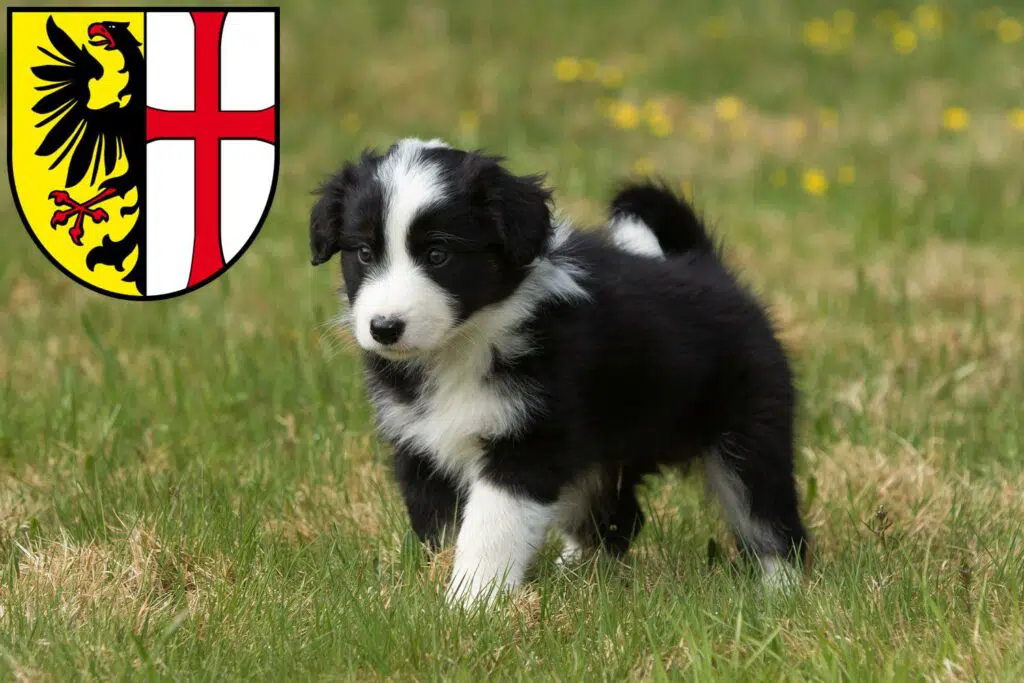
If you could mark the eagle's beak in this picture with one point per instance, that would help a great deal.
(99, 36)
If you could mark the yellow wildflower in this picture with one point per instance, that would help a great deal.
(643, 166)
(817, 33)
(625, 115)
(904, 39)
(846, 175)
(815, 182)
(657, 118)
(1017, 119)
(567, 69)
(955, 118)
(1009, 30)
(728, 108)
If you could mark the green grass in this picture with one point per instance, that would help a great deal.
(192, 489)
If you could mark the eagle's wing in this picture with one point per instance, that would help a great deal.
(89, 135)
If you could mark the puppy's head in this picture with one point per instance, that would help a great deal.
(428, 235)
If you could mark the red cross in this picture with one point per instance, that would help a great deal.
(207, 124)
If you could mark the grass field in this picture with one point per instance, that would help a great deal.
(192, 489)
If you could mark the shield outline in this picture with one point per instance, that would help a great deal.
(276, 10)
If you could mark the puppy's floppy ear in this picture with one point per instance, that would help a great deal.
(326, 216)
(519, 205)
(324, 225)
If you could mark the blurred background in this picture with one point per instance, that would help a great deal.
(194, 485)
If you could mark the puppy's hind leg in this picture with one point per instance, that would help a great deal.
(758, 494)
(600, 512)
(573, 518)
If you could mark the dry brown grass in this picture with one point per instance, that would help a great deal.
(135, 578)
(912, 487)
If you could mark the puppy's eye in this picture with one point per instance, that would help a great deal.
(365, 255)
(436, 256)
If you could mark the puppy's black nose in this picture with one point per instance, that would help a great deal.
(386, 330)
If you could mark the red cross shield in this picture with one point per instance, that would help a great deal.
(144, 143)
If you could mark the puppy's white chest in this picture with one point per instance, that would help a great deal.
(451, 417)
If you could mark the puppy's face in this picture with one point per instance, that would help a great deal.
(428, 236)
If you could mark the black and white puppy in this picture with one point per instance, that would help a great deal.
(529, 376)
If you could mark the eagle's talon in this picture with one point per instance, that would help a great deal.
(59, 218)
(61, 197)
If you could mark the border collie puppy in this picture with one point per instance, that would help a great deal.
(529, 376)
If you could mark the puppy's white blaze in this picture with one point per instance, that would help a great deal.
(400, 288)
(499, 537)
(410, 186)
(631, 234)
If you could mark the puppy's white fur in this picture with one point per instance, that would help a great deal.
(398, 287)
(499, 537)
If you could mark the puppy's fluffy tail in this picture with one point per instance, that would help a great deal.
(651, 220)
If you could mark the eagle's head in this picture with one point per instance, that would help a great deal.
(111, 35)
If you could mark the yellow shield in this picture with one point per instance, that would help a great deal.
(72, 124)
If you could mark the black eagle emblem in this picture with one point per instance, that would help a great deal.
(94, 140)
